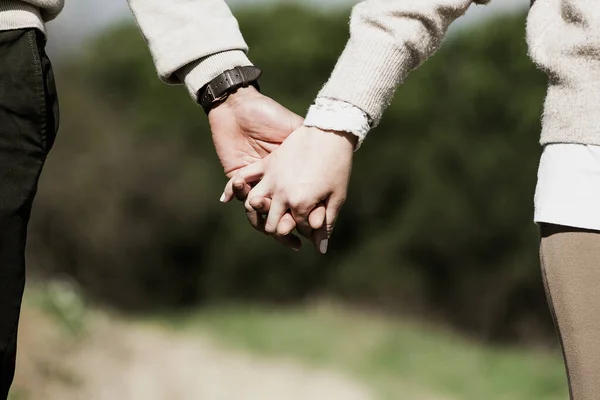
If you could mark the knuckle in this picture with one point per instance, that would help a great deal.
(283, 229)
(270, 229)
(299, 203)
(254, 202)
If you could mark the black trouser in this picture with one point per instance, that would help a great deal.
(28, 124)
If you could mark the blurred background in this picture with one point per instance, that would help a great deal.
(143, 286)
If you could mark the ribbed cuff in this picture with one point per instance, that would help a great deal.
(16, 14)
(199, 73)
(367, 74)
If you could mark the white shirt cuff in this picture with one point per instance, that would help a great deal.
(337, 115)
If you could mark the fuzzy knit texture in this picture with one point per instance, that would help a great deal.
(388, 39)
(195, 40)
(15, 14)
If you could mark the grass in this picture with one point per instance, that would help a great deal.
(399, 360)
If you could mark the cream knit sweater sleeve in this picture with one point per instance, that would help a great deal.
(190, 40)
(388, 39)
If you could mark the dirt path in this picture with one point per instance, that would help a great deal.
(121, 361)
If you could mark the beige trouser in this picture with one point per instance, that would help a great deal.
(570, 261)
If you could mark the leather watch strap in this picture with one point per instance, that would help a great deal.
(218, 89)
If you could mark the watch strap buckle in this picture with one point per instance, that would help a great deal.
(226, 83)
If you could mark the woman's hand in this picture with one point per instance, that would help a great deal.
(303, 184)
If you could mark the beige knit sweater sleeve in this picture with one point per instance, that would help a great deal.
(388, 39)
(190, 40)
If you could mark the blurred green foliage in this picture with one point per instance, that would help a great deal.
(439, 216)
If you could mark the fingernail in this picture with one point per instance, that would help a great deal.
(323, 246)
(222, 199)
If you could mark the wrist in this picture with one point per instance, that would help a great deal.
(350, 138)
(220, 88)
(241, 96)
(344, 139)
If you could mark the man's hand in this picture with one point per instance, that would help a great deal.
(247, 127)
(303, 184)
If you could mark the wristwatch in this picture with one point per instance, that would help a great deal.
(218, 90)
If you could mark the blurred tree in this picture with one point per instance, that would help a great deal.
(439, 211)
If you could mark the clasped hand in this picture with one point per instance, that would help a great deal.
(301, 185)
(290, 177)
